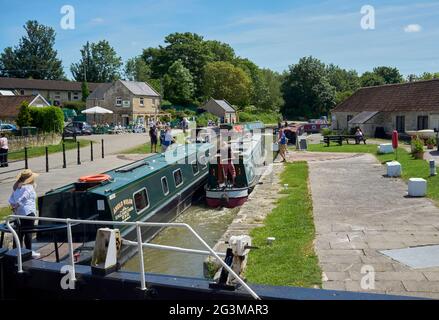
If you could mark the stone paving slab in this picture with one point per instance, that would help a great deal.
(357, 213)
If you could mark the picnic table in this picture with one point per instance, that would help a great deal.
(340, 138)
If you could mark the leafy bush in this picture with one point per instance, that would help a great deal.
(417, 145)
(78, 106)
(203, 119)
(431, 141)
(327, 132)
(265, 117)
(47, 119)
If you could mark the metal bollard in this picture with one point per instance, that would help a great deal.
(26, 163)
(432, 168)
(47, 159)
(79, 153)
(102, 144)
(91, 150)
(64, 162)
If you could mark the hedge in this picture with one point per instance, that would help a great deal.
(47, 119)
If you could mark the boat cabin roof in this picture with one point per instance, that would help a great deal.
(125, 175)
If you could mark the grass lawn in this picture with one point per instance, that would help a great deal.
(4, 212)
(411, 167)
(291, 259)
(142, 149)
(41, 151)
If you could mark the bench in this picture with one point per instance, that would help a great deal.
(339, 139)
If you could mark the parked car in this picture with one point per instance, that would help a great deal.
(78, 128)
(6, 127)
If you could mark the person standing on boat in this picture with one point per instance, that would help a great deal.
(283, 144)
(23, 203)
(4, 149)
(153, 137)
(226, 163)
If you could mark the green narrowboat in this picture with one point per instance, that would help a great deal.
(155, 189)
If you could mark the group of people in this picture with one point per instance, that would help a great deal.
(4, 149)
(166, 138)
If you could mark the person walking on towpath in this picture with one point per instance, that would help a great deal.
(283, 144)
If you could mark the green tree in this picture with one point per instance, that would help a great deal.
(307, 91)
(34, 56)
(273, 82)
(222, 80)
(370, 79)
(390, 75)
(85, 91)
(342, 80)
(99, 63)
(24, 118)
(136, 69)
(428, 76)
(219, 51)
(178, 84)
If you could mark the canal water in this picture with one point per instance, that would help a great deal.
(209, 223)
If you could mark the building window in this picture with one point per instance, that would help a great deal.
(76, 96)
(118, 101)
(178, 178)
(422, 122)
(22, 92)
(349, 118)
(142, 102)
(141, 201)
(400, 123)
(165, 186)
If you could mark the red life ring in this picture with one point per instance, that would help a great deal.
(95, 178)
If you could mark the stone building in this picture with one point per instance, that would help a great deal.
(54, 91)
(222, 109)
(130, 101)
(403, 107)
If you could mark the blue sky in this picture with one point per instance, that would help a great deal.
(272, 33)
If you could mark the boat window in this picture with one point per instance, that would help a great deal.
(178, 178)
(203, 162)
(165, 186)
(195, 168)
(141, 200)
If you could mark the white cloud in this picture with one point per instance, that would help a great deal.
(412, 28)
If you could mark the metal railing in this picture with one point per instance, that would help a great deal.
(139, 243)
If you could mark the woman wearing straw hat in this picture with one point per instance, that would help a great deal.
(23, 203)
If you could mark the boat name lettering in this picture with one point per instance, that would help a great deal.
(122, 209)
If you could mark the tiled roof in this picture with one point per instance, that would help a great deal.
(17, 83)
(225, 105)
(140, 88)
(411, 96)
(10, 105)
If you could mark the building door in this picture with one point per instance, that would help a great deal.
(400, 123)
(422, 122)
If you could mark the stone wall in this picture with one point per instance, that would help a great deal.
(18, 143)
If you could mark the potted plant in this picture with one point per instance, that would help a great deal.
(431, 142)
(417, 148)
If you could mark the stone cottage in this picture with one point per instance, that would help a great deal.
(380, 110)
(131, 102)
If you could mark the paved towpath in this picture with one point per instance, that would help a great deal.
(57, 176)
(357, 213)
